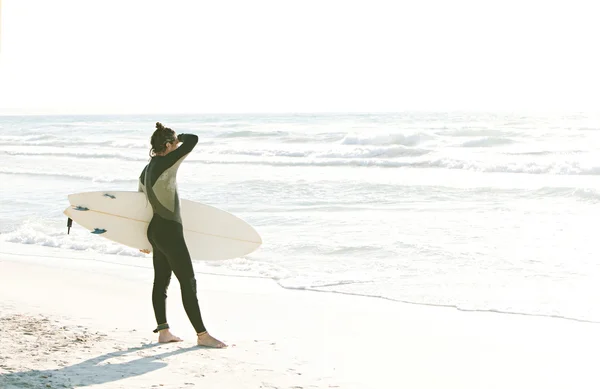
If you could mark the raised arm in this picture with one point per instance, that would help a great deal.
(188, 142)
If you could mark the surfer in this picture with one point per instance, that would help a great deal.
(165, 232)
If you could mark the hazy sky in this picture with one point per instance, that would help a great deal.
(143, 56)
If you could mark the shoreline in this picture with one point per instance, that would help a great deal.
(131, 261)
(278, 337)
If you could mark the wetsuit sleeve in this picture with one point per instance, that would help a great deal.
(188, 142)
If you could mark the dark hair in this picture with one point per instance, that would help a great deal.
(160, 138)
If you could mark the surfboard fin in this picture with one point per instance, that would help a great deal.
(110, 196)
(69, 225)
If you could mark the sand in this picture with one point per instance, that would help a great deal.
(73, 319)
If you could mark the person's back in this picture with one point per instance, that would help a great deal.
(159, 178)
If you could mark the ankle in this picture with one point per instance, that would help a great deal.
(161, 327)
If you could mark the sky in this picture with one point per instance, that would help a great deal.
(144, 56)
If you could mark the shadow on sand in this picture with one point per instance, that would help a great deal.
(93, 371)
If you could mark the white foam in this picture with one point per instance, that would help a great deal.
(374, 152)
(77, 154)
(48, 234)
(386, 139)
(92, 177)
(488, 142)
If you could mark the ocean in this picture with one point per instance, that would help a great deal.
(478, 211)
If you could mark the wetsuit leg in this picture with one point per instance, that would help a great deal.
(168, 238)
(162, 275)
(162, 278)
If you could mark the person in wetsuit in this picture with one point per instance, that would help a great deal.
(165, 232)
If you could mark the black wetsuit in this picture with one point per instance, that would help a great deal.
(165, 233)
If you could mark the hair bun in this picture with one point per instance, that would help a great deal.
(159, 126)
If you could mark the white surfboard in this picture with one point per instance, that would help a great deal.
(210, 233)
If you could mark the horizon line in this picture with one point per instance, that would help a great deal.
(366, 112)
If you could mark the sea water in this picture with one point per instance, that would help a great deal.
(492, 212)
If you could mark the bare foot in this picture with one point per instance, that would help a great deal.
(165, 336)
(204, 339)
(145, 251)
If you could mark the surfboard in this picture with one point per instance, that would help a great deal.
(123, 216)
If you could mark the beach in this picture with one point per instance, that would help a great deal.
(415, 250)
(72, 319)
